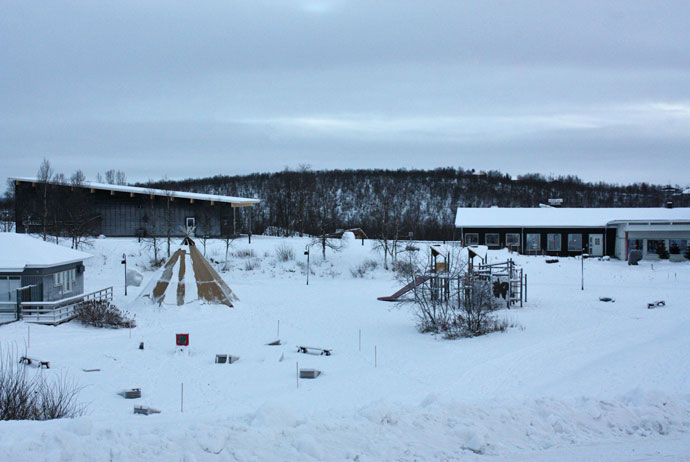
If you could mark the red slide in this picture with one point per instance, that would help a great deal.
(417, 281)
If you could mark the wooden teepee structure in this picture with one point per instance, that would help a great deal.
(186, 271)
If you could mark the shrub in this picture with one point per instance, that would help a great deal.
(363, 268)
(661, 250)
(24, 397)
(244, 253)
(102, 313)
(251, 264)
(285, 252)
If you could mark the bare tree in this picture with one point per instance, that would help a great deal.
(110, 176)
(326, 216)
(151, 239)
(44, 176)
(120, 178)
(387, 217)
(7, 218)
(169, 197)
(78, 219)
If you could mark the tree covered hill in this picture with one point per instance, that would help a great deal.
(401, 201)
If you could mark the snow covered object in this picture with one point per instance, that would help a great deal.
(186, 270)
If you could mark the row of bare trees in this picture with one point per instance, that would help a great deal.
(64, 207)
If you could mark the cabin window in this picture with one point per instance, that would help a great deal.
(190, 222)
(553, 242)
(65, 279)
(575, 242)
(471, 239)
(533, 242)
(513, 240)
(492, 239)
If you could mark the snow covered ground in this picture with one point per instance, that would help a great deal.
(579, 379)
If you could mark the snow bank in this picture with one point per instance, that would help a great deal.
(430, 430)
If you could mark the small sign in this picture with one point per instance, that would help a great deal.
(182, 339)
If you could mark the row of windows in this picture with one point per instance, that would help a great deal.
(674, 245)
(65, 279)
(532, 241)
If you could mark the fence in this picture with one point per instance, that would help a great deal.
(58, 311)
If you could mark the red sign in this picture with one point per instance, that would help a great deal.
(182, 339)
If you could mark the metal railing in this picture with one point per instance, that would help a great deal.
(59, 311)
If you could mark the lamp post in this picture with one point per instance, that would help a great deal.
(582, 277)
(124, 262)
(306, 252)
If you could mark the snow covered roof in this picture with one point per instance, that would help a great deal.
(543, 217)
(21, 251)
(159, 192)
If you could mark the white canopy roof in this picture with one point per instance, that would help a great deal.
(21, 251)
(544, 217)
(158, 192)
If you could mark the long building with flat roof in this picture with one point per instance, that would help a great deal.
(127, 211)
(573, 231)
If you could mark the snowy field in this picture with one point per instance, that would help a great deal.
(578, 380)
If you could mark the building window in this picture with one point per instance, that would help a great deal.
(513, 240)
(65, 279)
(553, 242)
(471, 239)
(634, 244)
(653, 245)
(190, 222)
(492, 239)
(575, 242)
(677, 245)
(533, 242)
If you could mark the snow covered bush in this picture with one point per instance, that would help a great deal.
(363, 268)
(25, 396)
(251, 264)
(102, 313)
(285, 252)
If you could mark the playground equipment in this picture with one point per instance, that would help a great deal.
(507, 278)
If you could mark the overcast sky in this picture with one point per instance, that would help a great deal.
(599, 89)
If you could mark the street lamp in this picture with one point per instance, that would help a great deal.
(124, 262)
(582, 279)
(306, 252)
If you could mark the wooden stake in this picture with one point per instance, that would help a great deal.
(182, 397)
